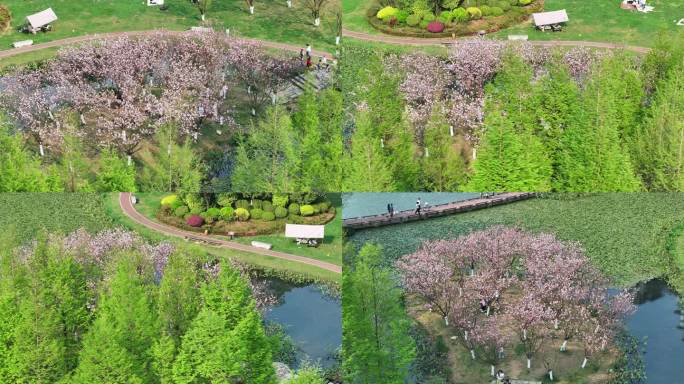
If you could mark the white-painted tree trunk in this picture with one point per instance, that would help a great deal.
(472, 353)
(168, 149)
(251, 9)
(221, 120)
(227, 34)
(524, 334)
(42, 151)
(382, 143)
(529, 363)
(465, 335)
(451, 130)
(474, 153)
(460, 292)
(427, 152)
(492, 370)
(317, 22)
(249, 89)
(219, 132)
(273, 99)
(203, 17)
(446, 321)
(289, 3)
(564, 345)
(253, 112)
(52, 117)
(123, 134)
(337, 40)
(555, 324)
(597, 328)
(130, 160)
(584, 363)
(82, 119)
(488, 310)
(551, 375)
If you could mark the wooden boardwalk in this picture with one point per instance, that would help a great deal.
(435, 211)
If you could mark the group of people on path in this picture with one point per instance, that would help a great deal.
(420, 206)
(306, 53)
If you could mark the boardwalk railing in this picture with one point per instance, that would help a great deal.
(435, 210)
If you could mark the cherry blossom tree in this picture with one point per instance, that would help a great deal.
(501, 286)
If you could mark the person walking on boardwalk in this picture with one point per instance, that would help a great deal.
(301, 55)
(389, 209)
(308, 61)
(308, 50)
(418, 207)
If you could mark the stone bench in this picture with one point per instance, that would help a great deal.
(517, 37)
(23, 43)
(259, 244)
(521, 382)
(200, 29)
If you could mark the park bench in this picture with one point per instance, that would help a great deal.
(517, 37)
(23, 43)
(202, 240)
(259, 244)
(200, 29)
(521, 382)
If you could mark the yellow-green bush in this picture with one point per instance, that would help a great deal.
(307, 210)
(169, 200)
(474, 12)
(386, 12)
(242, 214)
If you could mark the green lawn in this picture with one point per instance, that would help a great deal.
(146, 206)
(589, 20)
(625, 235)
(272, 20)
(26, 214)
(606, 21)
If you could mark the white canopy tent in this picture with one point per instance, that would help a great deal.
(40, 20)
(305, 231)
(542, 19)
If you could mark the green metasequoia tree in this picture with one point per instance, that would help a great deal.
(443, 165)
(114, 174)
(366, 169)
(170, 166)
(118, 346)
(377, 346)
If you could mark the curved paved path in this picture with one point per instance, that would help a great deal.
(417, 41)
(85, 38)
(130, 211)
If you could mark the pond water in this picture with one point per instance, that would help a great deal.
(310, 317)
(656, 322)
(365, 204)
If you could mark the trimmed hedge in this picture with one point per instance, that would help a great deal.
(294, 209)
(267, 206)
(268, 216)
(280, 212)
(255, 213)
(227, 213)
(181, 211)
(242, 214)
(307, 210)
(194, 221)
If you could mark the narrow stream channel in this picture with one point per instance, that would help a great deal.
(312, 318)
(656, 322)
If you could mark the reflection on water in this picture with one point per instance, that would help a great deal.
(365, 204)
(312, 318)
(656, 322)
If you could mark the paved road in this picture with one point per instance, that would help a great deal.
(437, 41)
(86, 38)
(130, 211)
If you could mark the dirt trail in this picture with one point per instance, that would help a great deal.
(87, 38)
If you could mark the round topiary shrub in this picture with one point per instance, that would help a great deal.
(267, 206)
(280, 200)
(413, 20)
(386, 12)
(307, 210)
(268, 216)
(429, 16)
(469, 3)
(505, 5)
(194, 221)
(474, 12)
(169, 200)
(181, 211)
(325, 205)
(242, 204)
(242, 214)
(280, 212)
(461, 15)
(212, 213)
(256, 203)
(5, 18)
(496, 11)
(255, 213)
(435, 27)
(294, 209)
(227, 213)
(196, 211)
(486, 10)
(401, 16)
